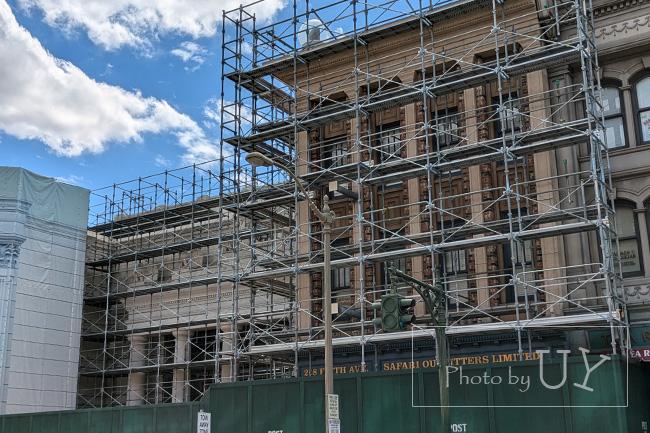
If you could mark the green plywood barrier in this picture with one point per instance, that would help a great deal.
(167, 418)
(395, 401)
(405, 401)
(74, 421)
(17, 424)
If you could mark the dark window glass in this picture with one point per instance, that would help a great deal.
(509, 118)
(521, 252)
(340, 279)
(389, 146)
(445, 128)
(613, 112)
(336, 151)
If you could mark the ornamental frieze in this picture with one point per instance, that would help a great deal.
(636, 292)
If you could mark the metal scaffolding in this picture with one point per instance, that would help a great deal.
(440, 138)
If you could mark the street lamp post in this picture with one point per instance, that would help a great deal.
(326, 217)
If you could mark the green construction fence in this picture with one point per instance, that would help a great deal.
(616, 399)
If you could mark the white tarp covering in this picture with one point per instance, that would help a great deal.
(43, 227)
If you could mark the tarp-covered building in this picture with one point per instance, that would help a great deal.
(42, 251)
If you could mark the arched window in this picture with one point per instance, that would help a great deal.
(642, 93)
(613, 112)
(629, 252)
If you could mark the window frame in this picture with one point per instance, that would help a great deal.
(621, 114)
(632, 206)
(447, 113)
(340, 276)
(527, 248)
(453, 277)
(388, 130)
(637, 110)
(450, 225)
(336, 149)
(513, 97)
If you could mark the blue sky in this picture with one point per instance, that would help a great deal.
(95, 92)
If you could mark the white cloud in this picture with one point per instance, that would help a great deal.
(161, 161)
(53, 101)
(113, 24)
(191, 52)
(72, 179)
(246, 48)
(212, 111)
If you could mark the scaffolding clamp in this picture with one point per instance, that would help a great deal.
(426, 21)
(362, 260)
(502, 73)
(429, 167)
(357, 107)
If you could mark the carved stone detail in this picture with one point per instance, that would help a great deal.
(636, 292)
(623, 27)
(9, 255)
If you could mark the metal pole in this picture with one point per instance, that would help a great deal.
(441, 342)
(326, 217)
(327, 306)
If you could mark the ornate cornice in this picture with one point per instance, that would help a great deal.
(617, 6)
(442, 32)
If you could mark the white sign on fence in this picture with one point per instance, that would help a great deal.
(332, 406)
(203, 422)
(333, 426)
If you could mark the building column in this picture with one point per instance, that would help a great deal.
(628, 107)
(642, 222)
(545, 164)
(13, 214)
(9, 252)
(181, 356)
(137, 387)
(226, 373)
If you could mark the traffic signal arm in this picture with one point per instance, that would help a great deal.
(433, 296)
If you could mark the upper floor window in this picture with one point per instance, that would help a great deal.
(517, 257)
(340, 278)
(453, 261)
(522, 254)
(613, 112)
(629, 247)
(508, 119)
(389, 142)
(336, 151)
(444, 125)
(643, 106)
